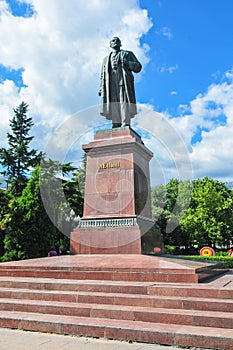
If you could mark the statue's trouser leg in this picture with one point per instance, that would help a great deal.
(124, 106)
(115, 114)
(116, 125)
(125, 115)
(115, 111)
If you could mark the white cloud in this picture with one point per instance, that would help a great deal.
(165, 31)
(61, 48)
(171, 156)
(212, 114)
(209, 119)
(169, 69)
(8, 95)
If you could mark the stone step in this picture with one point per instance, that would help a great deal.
(190, 303)
(185, 290)
(159, 289)
(106, 267)
(142, 298)
(75, 285)
(136, 275)
(154, 301)
(191, 290)
(145, 314)
(185, 336)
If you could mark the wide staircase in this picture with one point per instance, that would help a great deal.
(53, 299)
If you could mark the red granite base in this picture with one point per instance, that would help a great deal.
(106, 240)
(117, 203)
(144, 298)
(117, 182)
(111, 267)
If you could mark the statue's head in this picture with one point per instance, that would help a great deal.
(115, 43)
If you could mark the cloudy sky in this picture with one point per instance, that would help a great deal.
(51, 54)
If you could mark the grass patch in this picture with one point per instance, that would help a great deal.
(227, 259)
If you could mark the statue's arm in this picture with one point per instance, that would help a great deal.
(101, 78)
(133, 63)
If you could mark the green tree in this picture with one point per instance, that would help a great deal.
(80, 174)
(59, 186)
(18, 160)
(40, 222)
(5, 199)
(30, 230)
(209, 219)
(158, 203)
(169, 204)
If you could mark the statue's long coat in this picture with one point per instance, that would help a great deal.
(128, 81)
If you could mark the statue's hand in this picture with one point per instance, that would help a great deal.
(125, 63)
(99, 93)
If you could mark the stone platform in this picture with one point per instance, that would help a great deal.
(120, 267)
(142, 298)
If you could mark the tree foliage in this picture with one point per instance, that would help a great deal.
(209, 219)
(18, 159)
(194, 213)
(169, 204)
(60, 193)
(34, 228)
(5, 199)
(80, 174)
(30, 232)
(43, 199)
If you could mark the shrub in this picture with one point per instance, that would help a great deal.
(227, 259)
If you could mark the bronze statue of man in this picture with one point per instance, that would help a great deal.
(118, 101)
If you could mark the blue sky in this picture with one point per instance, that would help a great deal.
(51, 54)
(193, 39)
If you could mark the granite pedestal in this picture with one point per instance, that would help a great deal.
(117, 203)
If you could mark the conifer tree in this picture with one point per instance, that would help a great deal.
(18, 159)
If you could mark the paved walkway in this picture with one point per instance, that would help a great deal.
(20, 340)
